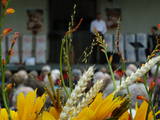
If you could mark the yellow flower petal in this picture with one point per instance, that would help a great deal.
(96, 102)
(54, 112)
(141, 112)
(100, 109)
(124, 116)
(47, 116)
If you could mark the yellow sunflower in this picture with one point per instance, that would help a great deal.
(4, 115)
(141, 113)
(46, 116)
(100, 108)
(53, 114)
(28, 107)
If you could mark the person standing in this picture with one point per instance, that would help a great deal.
(97, 25)
(152, 40)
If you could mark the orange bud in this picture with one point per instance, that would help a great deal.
(9, 86)
(142, 98)
(152, 85)
(11, 52)
(142, 64)
(3, 61)
(4, 2)
(158, 26)
(14, 41)
(6, 31)
(139, 79)
(10, 11)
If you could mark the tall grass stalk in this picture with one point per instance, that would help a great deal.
(104, 49)
(66, 50)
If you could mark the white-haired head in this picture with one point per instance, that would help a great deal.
(77, 72)
(106, 81)
(55, 74)
(98, 76)
(131, 68)
(154, 69)
(46, 68)
(22, 74)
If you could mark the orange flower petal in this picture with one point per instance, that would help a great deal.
(142, 98)
(3, 61)
(10, 11)
(9, 86)
(152, 85)
(6, 31)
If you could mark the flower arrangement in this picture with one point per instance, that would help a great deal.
(80, 105)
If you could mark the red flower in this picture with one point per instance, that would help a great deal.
(120, 73)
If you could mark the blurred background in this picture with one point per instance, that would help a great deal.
(42, 24)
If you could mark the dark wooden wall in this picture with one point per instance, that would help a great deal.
(59, 16)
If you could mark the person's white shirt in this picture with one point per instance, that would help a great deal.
(98, 25)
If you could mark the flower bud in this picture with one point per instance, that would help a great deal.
(142, 98)
(152, 85)
(10, 11)
(6, 31)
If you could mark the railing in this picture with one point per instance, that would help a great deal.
(23, 50)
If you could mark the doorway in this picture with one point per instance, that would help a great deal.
(59, 16)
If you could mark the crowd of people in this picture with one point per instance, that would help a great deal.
(25, 82)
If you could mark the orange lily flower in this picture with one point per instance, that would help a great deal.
(10, 11)
(152, 85)
(6, 31)
(3, 61)
(142, 98)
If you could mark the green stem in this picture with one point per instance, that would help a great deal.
(150, 99)
(69, 67)
(61, 68)
(4, 93)
(130, 105)
(68, 49)
(111, 70)
(3, 69)
(3, 66)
